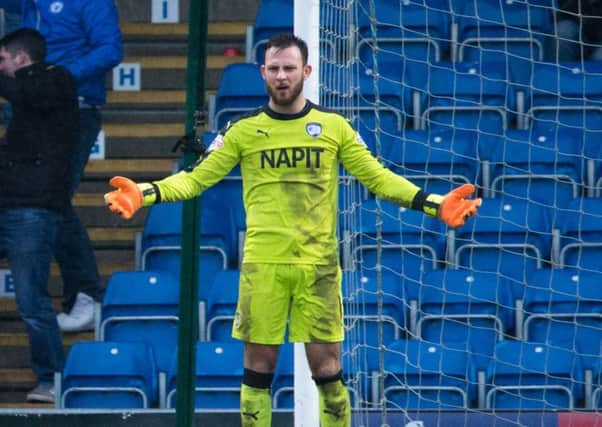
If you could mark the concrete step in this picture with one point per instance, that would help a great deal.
(133, 168)
(138, 143)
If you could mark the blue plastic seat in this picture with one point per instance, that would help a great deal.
(437, 160)
(109, 375)
(221, 305)
(510, 237)
(563, 307)
(399, 30)
(218, 376)
(354, 94)
(566, 94)
(234, 99)
(162, 237)
(513, 32)
(273, 17)
(531, 376)
(361, 373)
(142, 306)
(373, 307)
(465, 310)
(462, 95)
(580, 240)
(412, 243)
(424, 375)
(545, 166)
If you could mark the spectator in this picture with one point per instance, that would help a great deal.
(579, 30)
(84, 37)
(289, 153)
(34, 188)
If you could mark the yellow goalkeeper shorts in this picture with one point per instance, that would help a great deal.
(269, 292)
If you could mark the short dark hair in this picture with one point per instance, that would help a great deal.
(282, 41)
(27, 40)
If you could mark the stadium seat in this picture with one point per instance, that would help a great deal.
(412, 243)
(369, 102)
(544, 166)
(273, 17)
(437, 160)
(142, 306)
(221, 305)
(465, 310)
(218, 376)
(160, 246)
(109, 375)
(233, 99)
(422, 375)
(360, 373)
(563, 307)
(509, 237)
(531, 376)
(400, 30)
(373, 307)
(462, 95)
(566, 94)
(513, 32)
(580, 234)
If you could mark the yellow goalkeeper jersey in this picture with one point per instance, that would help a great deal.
(289, 166)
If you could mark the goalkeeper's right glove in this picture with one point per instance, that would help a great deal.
(129, 196)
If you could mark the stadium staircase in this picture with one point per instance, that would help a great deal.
(141, 129)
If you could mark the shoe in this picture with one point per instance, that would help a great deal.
(44, 392)
(81, 317)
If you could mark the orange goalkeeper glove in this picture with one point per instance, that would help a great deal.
(455, 208)
(129, 196)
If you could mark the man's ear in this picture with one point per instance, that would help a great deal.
(22, 58)
(306, 71)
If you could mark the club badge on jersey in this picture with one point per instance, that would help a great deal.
(313, 129)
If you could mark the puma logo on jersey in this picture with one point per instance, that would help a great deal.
(263, 132)
(291, 157)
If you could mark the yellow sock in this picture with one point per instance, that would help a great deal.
(335, 407)
(255, 406)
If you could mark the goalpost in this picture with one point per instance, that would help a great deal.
(498, 321)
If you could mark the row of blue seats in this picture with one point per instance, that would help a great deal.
(417, 374)
(508, 233)
(429, 28)
(512, 237)
(415, 94)
(462, 309)
(448, 304)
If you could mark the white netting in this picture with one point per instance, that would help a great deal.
(505, 312)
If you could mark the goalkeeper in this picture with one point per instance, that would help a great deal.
(289, 153)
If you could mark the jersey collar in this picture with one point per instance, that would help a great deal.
(280, 116)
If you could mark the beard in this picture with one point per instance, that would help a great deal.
(285, 100)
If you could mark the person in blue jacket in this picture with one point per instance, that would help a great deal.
(84, 37)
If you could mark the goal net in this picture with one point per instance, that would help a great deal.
(501, 318)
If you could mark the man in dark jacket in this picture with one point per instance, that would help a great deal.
(34, 188)
(84, 37)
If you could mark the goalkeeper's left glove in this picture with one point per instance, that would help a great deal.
(129, 196)
(455, 208)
